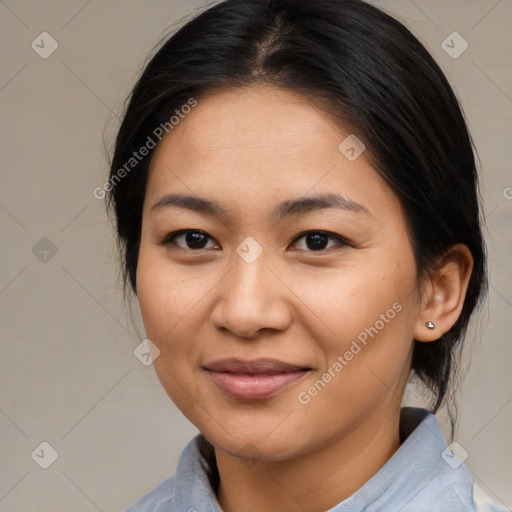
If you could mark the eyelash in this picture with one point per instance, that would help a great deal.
(168, 239)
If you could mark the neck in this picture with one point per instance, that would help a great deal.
(315, 481)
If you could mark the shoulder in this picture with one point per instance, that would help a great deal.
(424, 475)
(157, 500)
(188, 489)
(455, 490)
(483, 503)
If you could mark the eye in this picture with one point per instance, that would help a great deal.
(194, 239)
(315, 241)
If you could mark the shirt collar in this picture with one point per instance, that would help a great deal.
(412, 467)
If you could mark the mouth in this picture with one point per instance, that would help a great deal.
(252, 380)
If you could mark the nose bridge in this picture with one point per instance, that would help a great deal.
(252, 298)
(251, 272)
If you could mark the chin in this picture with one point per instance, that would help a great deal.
(249, 444)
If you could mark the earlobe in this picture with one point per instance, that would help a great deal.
(444, 294)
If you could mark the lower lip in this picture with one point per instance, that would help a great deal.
(252, 387)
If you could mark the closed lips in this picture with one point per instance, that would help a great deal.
(258, 367)
(251, 380)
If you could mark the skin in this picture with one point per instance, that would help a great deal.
(250, 149)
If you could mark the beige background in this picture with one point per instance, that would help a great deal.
(67, 370)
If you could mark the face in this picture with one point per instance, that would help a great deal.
(281, 325)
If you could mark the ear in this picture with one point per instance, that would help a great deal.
(443, 293)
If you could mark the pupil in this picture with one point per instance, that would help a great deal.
(318, 241)
(195, 240)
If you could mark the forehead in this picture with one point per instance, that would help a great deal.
(256, 143)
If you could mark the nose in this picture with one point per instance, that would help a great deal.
(251, 298)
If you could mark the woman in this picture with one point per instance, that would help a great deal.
(296, 201)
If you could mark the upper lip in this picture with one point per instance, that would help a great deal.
(259, 366)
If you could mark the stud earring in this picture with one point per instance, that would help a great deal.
(430, 325)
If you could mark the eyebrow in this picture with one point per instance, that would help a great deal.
(284, 209)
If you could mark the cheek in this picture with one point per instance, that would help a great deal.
(161, 296)
(166, 300)
(345, 302)
(365, 366)
(365, 323)
(172, 299)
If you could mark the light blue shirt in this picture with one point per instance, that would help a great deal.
(422, 476)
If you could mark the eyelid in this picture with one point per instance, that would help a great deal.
(167, 239)
(329, 234)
